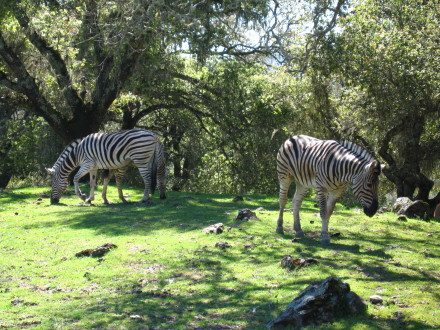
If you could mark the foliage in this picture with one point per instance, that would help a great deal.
(228, 138)
(167, 273)
(25, 147)
(71, 60)
(380, 79)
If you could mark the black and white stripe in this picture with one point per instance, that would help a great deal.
(114, 151)
(329, 167)
(160, 176)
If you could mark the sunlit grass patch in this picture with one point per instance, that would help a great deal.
(167, 273)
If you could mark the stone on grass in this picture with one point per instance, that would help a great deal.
(376, 300)
(291, 263)
(223, 245)
(96, 252)
(245, 215)
(218, 228)
(411, 209)
(320, 302)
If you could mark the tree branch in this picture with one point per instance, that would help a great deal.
(26, 85)
(54, 58)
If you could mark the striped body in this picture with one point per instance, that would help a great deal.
(329, 167)
(114, 151)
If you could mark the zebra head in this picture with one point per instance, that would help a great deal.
(59, 184)
(365, 185)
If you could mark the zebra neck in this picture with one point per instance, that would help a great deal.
(67, 165)
(351, 167)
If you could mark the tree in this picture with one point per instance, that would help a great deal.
(71, 59)
(384, 72)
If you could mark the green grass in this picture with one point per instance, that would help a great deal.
(167, 273)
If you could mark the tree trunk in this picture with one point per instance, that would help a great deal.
(407, 177)
(4, 179)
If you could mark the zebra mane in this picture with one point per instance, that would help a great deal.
(357, 150)
(72, 145)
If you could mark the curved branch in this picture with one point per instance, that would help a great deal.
(54, 58)
(26, 85)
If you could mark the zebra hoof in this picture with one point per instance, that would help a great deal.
(280, 230)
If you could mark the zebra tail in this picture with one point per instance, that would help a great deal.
(154, 173)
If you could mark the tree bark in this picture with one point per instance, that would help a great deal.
(407, 177)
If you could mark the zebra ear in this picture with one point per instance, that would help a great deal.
(51, 171)
(372, 167)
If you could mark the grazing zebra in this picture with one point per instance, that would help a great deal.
(329, 167)
(113, 151)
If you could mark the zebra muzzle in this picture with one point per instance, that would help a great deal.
(372, 209)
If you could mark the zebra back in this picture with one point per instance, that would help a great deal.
(357, 150)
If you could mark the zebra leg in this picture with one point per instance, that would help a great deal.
(284, 188)
(331, 202)
(322, 197)
(92, 174)
(83, 170)
(107, 176)
(300, 192)
(146, 175)
(119, 176)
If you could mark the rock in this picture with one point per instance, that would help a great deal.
(289, 262)
(97, 252)
(404, 206)
(238, 199)
(218, 228)
(376, 300)
(245, 215)
(320, 302)
(402, 218)
(223, 245)
(400, 203)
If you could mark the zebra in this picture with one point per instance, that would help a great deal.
(329, 167)
(113, 151)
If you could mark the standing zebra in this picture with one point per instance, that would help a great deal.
(328, 167)
(113, 151)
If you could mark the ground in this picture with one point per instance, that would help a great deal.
(165, 272)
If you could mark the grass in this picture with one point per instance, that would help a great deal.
(167, 273)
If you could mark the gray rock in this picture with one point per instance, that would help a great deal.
(320, 302)
(376, 300)
(289, 262)
(411, 209)
(223, 245)
(245, 215)
(401, 203)
(218, 228)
